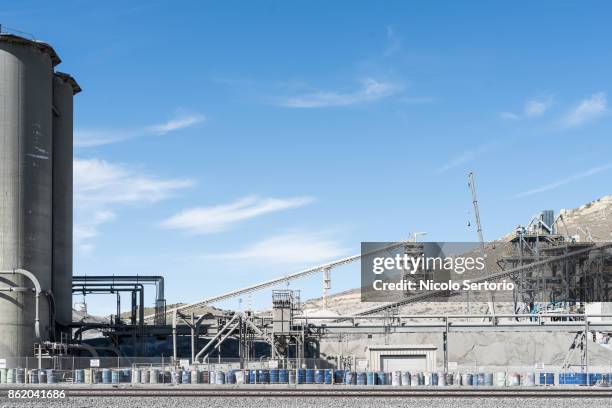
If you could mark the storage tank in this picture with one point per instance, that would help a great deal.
(26, 172)
(64, 87)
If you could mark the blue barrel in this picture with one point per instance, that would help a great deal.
(79, 376)
(263, 376)
(301, 376)
(42, 377)
(310, 376)
(283, 376)
(405, 378)
(488, 379)
(319, 376)
(252, 376)
(51, 376)
(580, 379)
(480, 379)
(362, 378)
(230, 377)
(594, 378)
(381, 378)
(371, 378)
(339, 376)
(115, 376)
(466, 379)
(547, 378)
(329, 376)
(349, 378)
(186, 377)
(273, 376)
(433, 378)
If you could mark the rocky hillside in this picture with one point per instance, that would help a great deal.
(591, 221)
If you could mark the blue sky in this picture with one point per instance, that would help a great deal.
(225, 143)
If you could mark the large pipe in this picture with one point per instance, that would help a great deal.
(37, 291)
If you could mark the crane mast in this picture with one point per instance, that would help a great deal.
(472, 186)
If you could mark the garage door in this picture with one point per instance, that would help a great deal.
(403, 363)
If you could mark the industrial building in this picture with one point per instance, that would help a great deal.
(36, 156)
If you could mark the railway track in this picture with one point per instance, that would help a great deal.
(387, 392)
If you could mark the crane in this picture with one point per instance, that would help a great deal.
(472, 186)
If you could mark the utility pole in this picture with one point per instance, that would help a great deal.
(472, 186)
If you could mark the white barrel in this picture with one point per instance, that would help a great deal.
(145, 376)
(529, 379)
(135, 376)
(88, 375)
(514, 379)
(239, 377)
(396, 378)
(153, 375)
(427, 378)
(500, 379)
(195, 376)
(442, 379)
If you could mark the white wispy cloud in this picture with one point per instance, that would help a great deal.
(98, 182)
(509, 116)
(586, 110)
(567, 180)
(206, 220)
(87, 229)
(533, 108)
(101, 187)
(290, 248)
(463, 157)
(371, 90)
(99, 137)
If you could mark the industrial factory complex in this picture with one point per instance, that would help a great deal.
(549, 331)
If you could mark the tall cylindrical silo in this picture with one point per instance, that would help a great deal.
(64, 87)
(26, 152)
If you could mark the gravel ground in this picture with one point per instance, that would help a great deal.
(281, 402)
